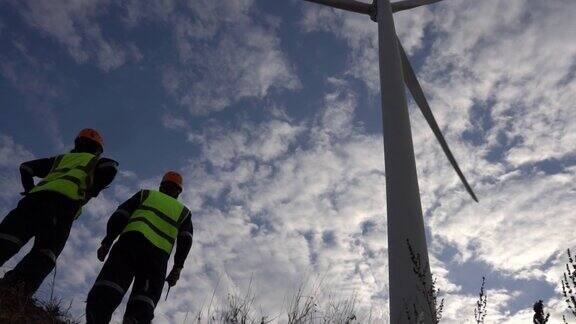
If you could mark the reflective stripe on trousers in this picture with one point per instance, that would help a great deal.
(109, 284)
(10, 238)
(144, 299)
(49, 254)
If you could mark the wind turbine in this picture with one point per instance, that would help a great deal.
(404, 210)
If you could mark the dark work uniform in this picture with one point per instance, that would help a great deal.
(133, 257)
(47, 216)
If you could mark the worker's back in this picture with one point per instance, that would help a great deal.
(158, 218)
(148, 225)
(48, 209)
(71, 175)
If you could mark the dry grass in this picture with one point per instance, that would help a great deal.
(434, 304)
(481, 303)
(236, 309)
(307, 305)
(540, 317)
(16, 308)
(569, 284)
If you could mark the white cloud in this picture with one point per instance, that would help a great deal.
(500, 79)
(24, 73)
(520, 85)
(361, 34)
(224, 145)
(460, 308)
(520, 75)
(511, 228)
(282, 201)
(75, 25)
(225, 52)
(226, 55)
(11, 155)
(173, 122)
(338, 121)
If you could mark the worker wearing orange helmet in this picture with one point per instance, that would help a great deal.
(148, 225)
(48, 208)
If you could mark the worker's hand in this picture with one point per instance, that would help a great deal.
(103, 252)
(173, 276)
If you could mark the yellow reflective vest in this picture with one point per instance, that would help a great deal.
(158, 218)
(71, 175)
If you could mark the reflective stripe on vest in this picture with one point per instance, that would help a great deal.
(158, 218)
(71, 175)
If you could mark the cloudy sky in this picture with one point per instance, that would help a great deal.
(271, 111)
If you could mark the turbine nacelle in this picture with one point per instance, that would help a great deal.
(410, 78)
(370, 9)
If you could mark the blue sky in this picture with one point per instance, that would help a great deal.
(270, 109)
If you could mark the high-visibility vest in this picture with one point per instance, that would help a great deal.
(158, 218)
(71, 175)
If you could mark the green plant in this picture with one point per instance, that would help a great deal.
(539, 316)
(435, 307)
(481, 303)
(569, 284)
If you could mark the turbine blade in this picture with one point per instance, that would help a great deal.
(418, 95)
(348, 5)
(409, 4)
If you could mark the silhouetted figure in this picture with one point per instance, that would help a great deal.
(49, 208)
(148, 224)
(539, 316)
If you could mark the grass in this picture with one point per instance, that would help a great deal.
(307, 305)
(434, 304)
(481, 304)
(16, 308)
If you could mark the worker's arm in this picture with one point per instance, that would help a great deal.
(118, 221)
(120, 217)
(104, 174)
(183, 245)
(183, 242)
(35, 168)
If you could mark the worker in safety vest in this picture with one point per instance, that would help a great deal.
(48, 209)
(148, 224)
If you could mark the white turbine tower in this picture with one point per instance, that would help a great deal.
(404, 209)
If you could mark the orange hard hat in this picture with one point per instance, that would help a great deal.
(91, 134)
(174, 177)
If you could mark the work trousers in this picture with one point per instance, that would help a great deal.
(45, 216)
(132, 258)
